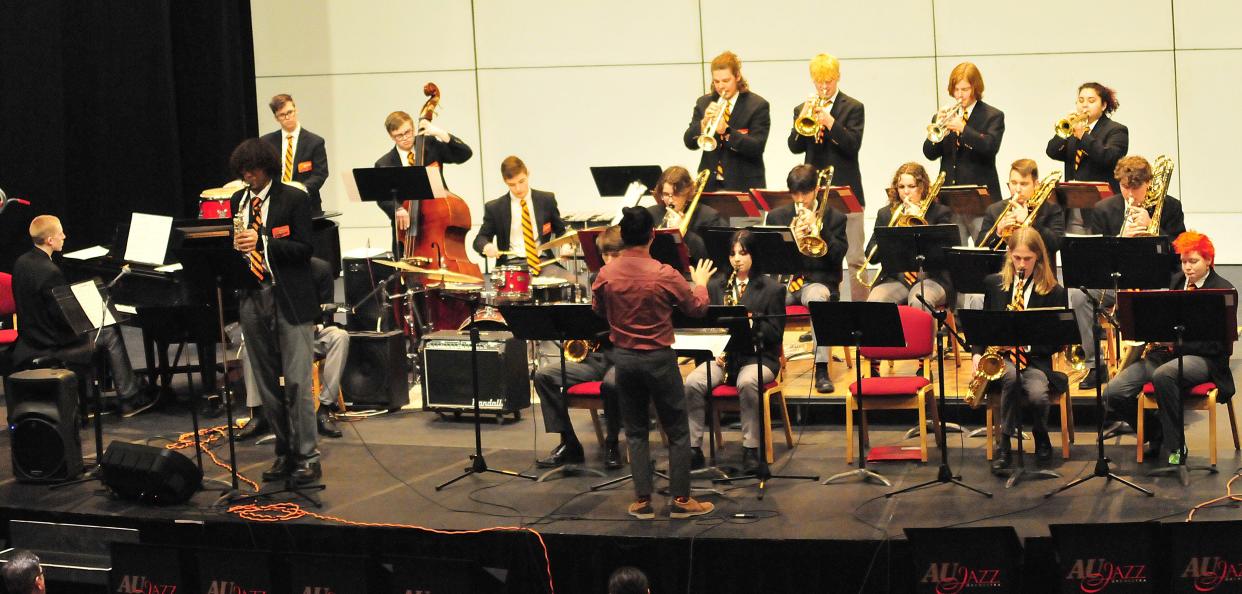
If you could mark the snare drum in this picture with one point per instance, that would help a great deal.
(511, 282)
(488, 319)
(215, 208)
(547, 289)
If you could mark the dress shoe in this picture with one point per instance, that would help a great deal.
(561, 455)
(612, 455)
(257, 427)
(1004, 456)
(686, 507)
(1088, 382)
(278, 471)
(327, 427)
(1117, 428)
(138, 403)
(1043, 447)
(697, 460)
(750, 460)
(823, 385)
(305, 472)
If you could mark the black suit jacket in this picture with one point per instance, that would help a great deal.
(1111, 212)
(287, 229)
(42, 327)
(839, 146)
(764, 296)
(310, 162)
(973, 160)
(937, 214)
(996, 298)
(436, 153)
(1050, 222)
(742, 153)
(704, 218)
(1216, 354)
(825, 270)
(498, 217)
(1103, 146)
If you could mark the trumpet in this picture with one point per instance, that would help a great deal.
(937, 130)
(707, 136)
(807, 224)
(900, 218)
(1065, 126)
(577, 350)
(996, 238)
(806, 123)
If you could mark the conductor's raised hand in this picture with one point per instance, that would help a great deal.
(702, 272)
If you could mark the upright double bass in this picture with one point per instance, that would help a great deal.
(437, 236)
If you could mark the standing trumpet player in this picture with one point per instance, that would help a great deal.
(1090, 144)
(732, 141)
(828, 129)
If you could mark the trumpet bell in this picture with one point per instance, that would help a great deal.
(806, 126)
(936, 132)
(707, 143)
(813, 246)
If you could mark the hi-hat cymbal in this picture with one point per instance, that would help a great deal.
(571, 237)
(448, 276)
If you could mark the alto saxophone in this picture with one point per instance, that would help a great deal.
(991, 365)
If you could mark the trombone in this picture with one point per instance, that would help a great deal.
(807, 224)
(707, 135)
(996, 238)
(937, 130)
(683, 225)
(806, 124)
(1162, 173)
(900, 218)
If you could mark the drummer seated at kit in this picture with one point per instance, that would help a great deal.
(762, 296)
(596, 367)
(514, 225)
(673, 194)
(1027, 281)
(1201, 361)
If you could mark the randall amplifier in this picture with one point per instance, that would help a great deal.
(447, 380)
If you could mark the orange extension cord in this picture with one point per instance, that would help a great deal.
(207, 436)
(1229, 494)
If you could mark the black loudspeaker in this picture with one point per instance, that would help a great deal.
(42, 405)
(326, 243)
(361, 277)
(377, 372)
(149, 474)
(504, 385)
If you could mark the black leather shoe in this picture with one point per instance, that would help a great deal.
(1004, 456)
(1043, 447)
(697, 460)
(612, 455)
(278, 471)
(305, 472)
(1088, 382)
(561, 455)
(750, 460)
(823, 385)
(1152, 449)
(327, 427)
(138, 403)
(256, 428)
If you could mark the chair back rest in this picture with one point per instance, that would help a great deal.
(8, 306)
(917, 326)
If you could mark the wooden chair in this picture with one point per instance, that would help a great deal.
(726, 398)
(798, 320)
(1059, 400)
(897, 392)
(1200, 397)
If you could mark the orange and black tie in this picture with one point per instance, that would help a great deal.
(528, 239)
(288, 174)
(257, 266)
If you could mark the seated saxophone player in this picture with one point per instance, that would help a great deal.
(1124, 215)
(820, 277)
(762, 296)
(1201, 361)
(595, 367)
(1026, 281)
(673, 194)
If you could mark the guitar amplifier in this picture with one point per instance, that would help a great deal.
(504, 385)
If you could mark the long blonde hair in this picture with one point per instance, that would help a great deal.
(1045, 279)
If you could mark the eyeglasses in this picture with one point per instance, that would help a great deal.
(403, 135)
(284, 115)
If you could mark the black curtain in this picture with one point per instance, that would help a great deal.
(109, 108)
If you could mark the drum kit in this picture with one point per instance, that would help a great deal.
(216, 203)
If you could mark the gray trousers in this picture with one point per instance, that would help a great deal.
(1032, 389)
(854, 255)
(1086, 320)
(331, 343)
(112, 344)
(809, 293)
(277, 348)
(548, 386)
(645, 378)
(896, 292)
(697, 388)
(1121, 394)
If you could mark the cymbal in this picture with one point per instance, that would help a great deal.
(398, 265)
(431, 273)
(571, 237)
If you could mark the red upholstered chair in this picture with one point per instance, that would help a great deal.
(897, 392)
(725, 398)
(8, 309)
(588, 395)
(1200, 397)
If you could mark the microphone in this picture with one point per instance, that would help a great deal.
(124, 271)
(5, 201)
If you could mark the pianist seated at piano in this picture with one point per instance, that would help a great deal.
(46, 336)
(762, 296)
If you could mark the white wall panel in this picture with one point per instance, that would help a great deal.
(537, 33)
(799, 29)
(1208, 24)
(969, 27)
(321, 37)
(1209, 137)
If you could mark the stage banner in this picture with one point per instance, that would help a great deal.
(324, 574)
(426, 574)
(965, 560)
(146, 569)
(234, 572)
(1105, 558)
(1205, 556)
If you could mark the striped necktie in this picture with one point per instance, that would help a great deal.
(720, 162)
(1018, 303)
(257, 267)
(409, 158)
(528, 238)
(1078, 158)
(796, 283)
(288, 175)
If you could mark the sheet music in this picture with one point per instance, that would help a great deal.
(713, 343)
(95, 251)
(148, 238)
(92, 302)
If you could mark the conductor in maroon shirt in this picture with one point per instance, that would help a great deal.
(637, 294)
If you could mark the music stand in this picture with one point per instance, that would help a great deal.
(916, 248)
(1077, 194)
(1110, 263)
(1202, 315)
(396, 185)
(966, 201)
(1033, 327)
(614, 180)
(557, 322)
(857, 324)
(968, 266)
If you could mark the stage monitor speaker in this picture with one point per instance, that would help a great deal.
(377, 371)
(361, 277)
(504, 385)
(149, 474)
(42, 407)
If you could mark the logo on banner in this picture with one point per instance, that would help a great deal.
(317, 590)
(230, 587)
(139, 584)
(1096, 575)
(951, 578)
(1210, 573)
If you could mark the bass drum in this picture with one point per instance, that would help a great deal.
(487, 319)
